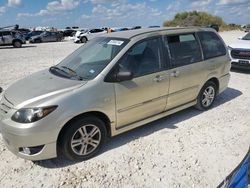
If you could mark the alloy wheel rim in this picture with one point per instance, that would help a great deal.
(208, 96)
(86, 139)
(18, 44)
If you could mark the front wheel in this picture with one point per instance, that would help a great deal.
(83, 138)
(83, 39)
(206, 96)
(17, 44)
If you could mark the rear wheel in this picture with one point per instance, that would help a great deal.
(83, 39)
(59, 39)
(17, 44)
(83, 138)
(206, 96)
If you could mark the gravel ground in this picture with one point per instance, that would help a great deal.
(187, 149)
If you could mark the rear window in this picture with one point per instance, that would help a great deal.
(184, 49)
(211, 44)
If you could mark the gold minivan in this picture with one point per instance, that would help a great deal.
(110, 85)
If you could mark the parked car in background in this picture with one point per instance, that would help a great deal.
(69, 32)
(80, 32)
(247, 28)
(118, 29)
(154, 26)
(136, 27)
(11, 38)
(89, 34)
(32, 34)
(47, 37)
(240, 52)
(214, 26)
(124, 29)
(113, 84)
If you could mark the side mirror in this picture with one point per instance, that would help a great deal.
(240, 38)
(119, 76)
(124, 76)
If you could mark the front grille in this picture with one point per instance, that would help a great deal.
(240, 54)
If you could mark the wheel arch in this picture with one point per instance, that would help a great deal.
(85, 37)
(216, 82)
(17, 40)
(97, 114)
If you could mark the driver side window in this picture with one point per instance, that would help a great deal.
(143, 58)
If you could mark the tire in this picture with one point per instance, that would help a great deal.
(17, 44)
(76, 143)
(84, 40)
(206, 96)
(38, 41)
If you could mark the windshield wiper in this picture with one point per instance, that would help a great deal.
(71, 70)
(57, 68)
(66, 72)
(74, 73)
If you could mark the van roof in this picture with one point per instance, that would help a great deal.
(133, 33)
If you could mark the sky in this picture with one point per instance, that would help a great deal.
(114, 13)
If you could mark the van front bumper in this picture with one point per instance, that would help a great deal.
(29, 143)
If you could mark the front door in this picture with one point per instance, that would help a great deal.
(7, 37)
(53, 37)
(146, 94)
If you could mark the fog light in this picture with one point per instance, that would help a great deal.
(26, 150)
(31, 150)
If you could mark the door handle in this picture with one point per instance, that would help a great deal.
(175, 73)
(159, 78)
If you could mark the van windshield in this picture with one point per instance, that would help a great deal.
(90, 59)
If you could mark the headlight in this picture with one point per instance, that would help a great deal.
(30, 115)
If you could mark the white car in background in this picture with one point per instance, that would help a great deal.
(78, 33)
(88, 35)
(240, 52)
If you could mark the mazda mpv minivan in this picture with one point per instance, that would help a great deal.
(113, 84)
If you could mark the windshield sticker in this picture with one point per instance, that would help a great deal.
(92, 71)
(116, 42)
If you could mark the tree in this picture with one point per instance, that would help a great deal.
(194, 18)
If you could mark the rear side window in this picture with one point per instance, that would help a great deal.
(184, 49)
(211, 44)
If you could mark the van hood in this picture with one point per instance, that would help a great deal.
(39, 86)
(241, 44)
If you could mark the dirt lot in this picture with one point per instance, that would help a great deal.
(187, 149)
